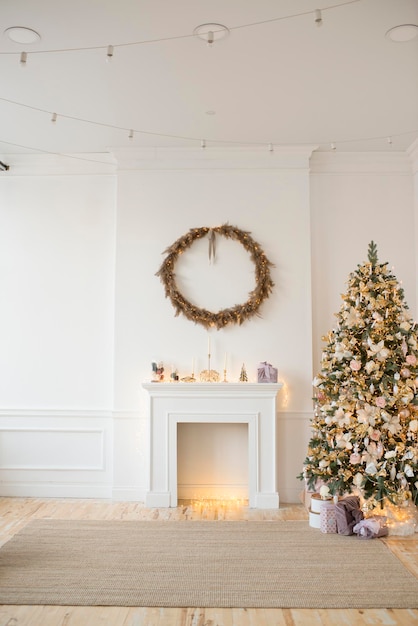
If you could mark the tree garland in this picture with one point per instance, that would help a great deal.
(233, 315)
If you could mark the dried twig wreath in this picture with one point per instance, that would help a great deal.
(234, 315)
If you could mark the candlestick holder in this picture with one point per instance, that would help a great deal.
(189, 379)
(225, 380)
(209, 375)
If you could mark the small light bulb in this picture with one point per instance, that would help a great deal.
(211, 38)
(53, 118)
(203, 144)
(389, 140)
(131, 134)
(271, 147)
(318, 17)
(23, 59)
(109, 54)
(333, 147)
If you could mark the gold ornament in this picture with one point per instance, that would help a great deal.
(233, 315)
(209, 376)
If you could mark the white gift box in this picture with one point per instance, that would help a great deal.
(314, 519)
(315, 509)
(316, 502)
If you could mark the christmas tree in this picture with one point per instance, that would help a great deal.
(364, 429)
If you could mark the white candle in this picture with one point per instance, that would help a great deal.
(225, 362)
(193, 366)
(208, 344)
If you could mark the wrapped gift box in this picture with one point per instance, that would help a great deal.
(328, 521)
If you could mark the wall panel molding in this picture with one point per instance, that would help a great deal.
(56, 453)
(85, 446)
(54, 412)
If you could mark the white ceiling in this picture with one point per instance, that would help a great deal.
(276, 78)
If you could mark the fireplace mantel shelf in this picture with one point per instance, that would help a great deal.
(175, 403)
(208, 389)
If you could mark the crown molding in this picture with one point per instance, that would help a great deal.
(413, 154)
(259, 158)
(58, 165)
(281, 158)
(361, 163)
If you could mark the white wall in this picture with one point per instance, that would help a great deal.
(160, 197)
(83, 314)
(56, 253)
(356, 198)
(413, 153)
(56, 323)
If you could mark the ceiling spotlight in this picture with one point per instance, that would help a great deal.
(203, 144)
(271, 147)
(53, 118)
(131, 134)
(109, 53)
(23, 59)
(333, 147)
(21, 34)
(318, 17)
(402, 33)
(211, 32)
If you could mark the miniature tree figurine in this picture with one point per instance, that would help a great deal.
(364, 429)
(243, 376)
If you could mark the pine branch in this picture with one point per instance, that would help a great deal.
(372, 253)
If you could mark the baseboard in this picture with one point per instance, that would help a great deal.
(129, 494)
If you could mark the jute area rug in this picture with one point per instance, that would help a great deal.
(200, 564)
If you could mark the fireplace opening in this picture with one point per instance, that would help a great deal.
(212, 461)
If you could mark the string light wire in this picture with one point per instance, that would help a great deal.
(189, 35)
(203, 143)
(75, 157)
(131, 131)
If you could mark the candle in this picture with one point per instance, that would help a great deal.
(208, 344)
(193, 366)
(225, 362)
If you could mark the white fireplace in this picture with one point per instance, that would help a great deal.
(253, 404)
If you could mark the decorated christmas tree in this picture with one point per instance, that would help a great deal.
(364, 429)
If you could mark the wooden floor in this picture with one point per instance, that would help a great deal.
(15, 513)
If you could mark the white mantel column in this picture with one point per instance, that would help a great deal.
(249, 403)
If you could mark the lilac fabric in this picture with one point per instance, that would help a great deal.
(266, 373)
(371, 527)
(348, 514)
